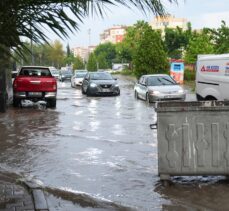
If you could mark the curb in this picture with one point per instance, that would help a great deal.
(40, 203)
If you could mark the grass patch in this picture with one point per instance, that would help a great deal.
(191, 84)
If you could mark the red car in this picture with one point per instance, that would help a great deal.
(35, 83)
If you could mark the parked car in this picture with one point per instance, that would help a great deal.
(65, 75)
(34, 83)
(100, 83)
(77, 78)
(158, 87)
(55, 73)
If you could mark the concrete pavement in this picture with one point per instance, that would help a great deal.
(17, 196)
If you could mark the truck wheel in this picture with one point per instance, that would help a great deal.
(210, 98)
(51, 103)
(199, 98)
(16, 102)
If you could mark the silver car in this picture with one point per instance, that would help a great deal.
(158, 87)
(77, 78)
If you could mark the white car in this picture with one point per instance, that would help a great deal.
(77, 78)
(158, 87)
(55, 73)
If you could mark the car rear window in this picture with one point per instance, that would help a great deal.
(35, 72)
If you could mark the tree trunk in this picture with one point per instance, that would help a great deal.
(4, 80)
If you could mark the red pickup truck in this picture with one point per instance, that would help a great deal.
(35, 83)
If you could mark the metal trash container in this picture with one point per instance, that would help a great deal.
(193, 138)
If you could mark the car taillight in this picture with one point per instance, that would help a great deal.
(15, 84)
(54, 86)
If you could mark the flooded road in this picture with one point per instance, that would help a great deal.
(102, 147)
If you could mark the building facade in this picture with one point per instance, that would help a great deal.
(160, 23)
(80, 51)
(114, 35)
(83, 52)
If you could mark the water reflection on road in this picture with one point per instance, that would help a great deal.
(101, 146)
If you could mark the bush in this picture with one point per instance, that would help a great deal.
(189, 75)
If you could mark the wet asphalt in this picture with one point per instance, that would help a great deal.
(100, 148)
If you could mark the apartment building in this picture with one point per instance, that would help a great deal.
(83, 52)
(169, 21)
(114, 34)
(80, 51)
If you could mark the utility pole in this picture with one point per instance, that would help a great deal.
(89, 43)
(89, 37)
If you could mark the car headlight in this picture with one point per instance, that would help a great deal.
(154, 92)
(93, 85)
(116, 85)
(181, 91)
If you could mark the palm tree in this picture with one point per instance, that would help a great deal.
(28, 18)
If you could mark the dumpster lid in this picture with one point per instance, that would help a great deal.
(192, 106)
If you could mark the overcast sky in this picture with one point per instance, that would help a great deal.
(201, 13)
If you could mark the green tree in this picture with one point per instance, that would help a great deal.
(149, 56)
(220, 38)
(176, 41)
(42, 54)
(130, 41)
(123, 53)
(92, 63)
(133, 34)
(107, 52)
(68, 60)
(102, 61)
(146, 48)
(78, 64)
(199, 44)
(56, 53)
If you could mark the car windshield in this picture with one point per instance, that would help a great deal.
(80, 74)
(160, 81)
(101, 76)
(35, 72)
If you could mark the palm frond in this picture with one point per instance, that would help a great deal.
(28, 18)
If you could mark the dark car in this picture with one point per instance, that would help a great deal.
(65, 75)
(100, 83)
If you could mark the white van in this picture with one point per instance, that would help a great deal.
(212, 77)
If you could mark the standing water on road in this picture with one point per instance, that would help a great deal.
(100, 146)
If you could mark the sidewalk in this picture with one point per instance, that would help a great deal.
(17, 194)
(17, 197)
